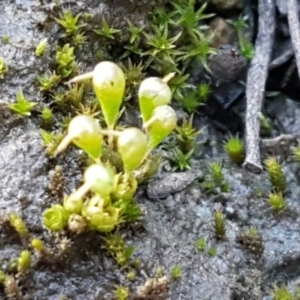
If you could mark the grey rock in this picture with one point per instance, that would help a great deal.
(171, 183)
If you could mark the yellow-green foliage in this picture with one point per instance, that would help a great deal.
(219, 223)
(176, 272)
(17, 223)
(23, 106)
(276, 201)
(24, 261)
(41, 47)
(235, 149)
(3, 67)
(282, 293)
(122, 293)
(106, 197)
(38, 245)
(276, 174)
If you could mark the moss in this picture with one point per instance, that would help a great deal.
(219, 224)
(252, 241)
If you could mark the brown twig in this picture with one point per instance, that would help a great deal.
(294, 25)
(256, 81)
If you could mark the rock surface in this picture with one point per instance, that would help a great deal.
(171, 226)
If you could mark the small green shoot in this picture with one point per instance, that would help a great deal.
(38, 245)
(131, 275)
(122, 293)
(75, 94)
(201, 244)
(176, 272)
(235, 149)
(179, 85)
(162, 46)
(181, 160)
(79, 39)
(24, 261)
(251, 240)
(217, 179)
(217, 173)
(196, 97)
(47, 115)
(186, 135)
(247, 48)
(133, 73)
(51, 140)
(203, 92)
(212, 251)
(191, 102)
(134, 32)
(276, 174)
(69, 22)
(23, 106)
(18, 224)
(219, 224)
(277, 202)
(106, 30)
(282, 293)
(66, 60)
(48, 81)
(41, 48)
(5, 39)
(3, 68)
(200, 49)
(265, 125)
(186, 16)
(118, 248)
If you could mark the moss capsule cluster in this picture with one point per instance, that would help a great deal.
(106, 197)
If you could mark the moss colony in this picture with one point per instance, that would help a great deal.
(146, 77)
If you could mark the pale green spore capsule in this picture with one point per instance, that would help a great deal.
(84, 132)
(99, 179)
(153, 92)
(132, 146)
(109, 87)
(161, 124)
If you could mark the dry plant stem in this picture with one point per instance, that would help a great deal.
(279, 140)
(81, 78)
(256, 80)
(168, 77)
(294, 24)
